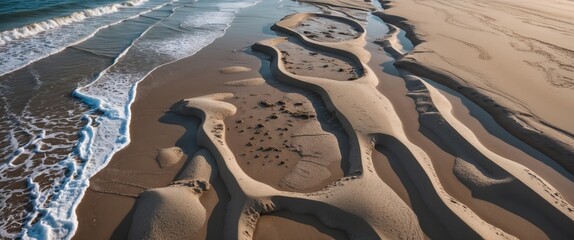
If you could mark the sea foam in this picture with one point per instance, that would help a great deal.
(110, 96)
(22, 46)
(39, 27)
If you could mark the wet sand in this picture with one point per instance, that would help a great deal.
(317, 134)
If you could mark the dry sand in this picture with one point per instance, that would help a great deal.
(504, 55)
(317, 135)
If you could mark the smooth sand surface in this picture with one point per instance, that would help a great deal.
(246, 82)
(279, 225)
(504, 55)
(167, 157)
(234, 69)
(319, 135)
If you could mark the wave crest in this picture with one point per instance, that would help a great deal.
(36, 28)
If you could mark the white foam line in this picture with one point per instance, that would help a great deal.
(85, 38)
(40, 27)
(26, 127)
(41, 228)
(21, 149)
(85, 147)
(84, 152)
(77, 91)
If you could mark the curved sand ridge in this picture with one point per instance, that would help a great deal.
(392, 44)
(318, 63)
(490, 176)
(367, 115)
(175, 212)
(487, 173)
(361, 204)
(327, 28)
(497, 54)
(249, 198)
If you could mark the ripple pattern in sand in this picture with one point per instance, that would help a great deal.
(361, 203)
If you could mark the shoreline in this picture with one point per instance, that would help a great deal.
(101, 212)
(105, 210)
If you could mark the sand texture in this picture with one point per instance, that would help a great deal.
(167, 157)
(345, 134)
(234, 69)
(505, 56)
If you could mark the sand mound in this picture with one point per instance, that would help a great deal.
(361, 204)
(365, 113)
(246, 82)
(234, 69)
(250, 199)
(167, 213)
(474, 176)
(175, 212)
(190, 107)
(202, 167)
(167, 157)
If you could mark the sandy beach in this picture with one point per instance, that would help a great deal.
(349, 119)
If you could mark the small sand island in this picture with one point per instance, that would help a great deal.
(351, 119)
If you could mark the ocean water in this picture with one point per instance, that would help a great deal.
(68, 74)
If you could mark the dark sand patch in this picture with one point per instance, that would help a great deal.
(265, 133)
(285, 225)
(326, 29)
(301, 60)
